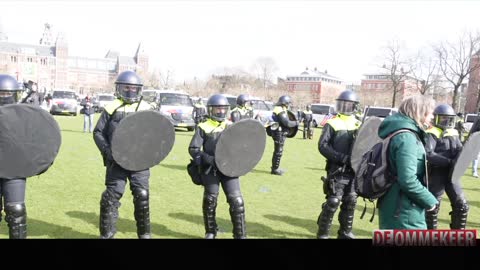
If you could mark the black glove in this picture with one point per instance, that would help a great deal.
(198, 160)
(208, 159)
(108, 154)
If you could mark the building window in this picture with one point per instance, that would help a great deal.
(13, 59)
(29, 59)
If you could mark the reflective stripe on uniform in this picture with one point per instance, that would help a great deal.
(344, 122)
(211, 126)
(110, 108)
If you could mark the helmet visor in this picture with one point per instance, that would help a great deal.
(345, 107)
(218, 113)
(445, 121)
(129, 92)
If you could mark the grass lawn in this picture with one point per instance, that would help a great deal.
(64, 201)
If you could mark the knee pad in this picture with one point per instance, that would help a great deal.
(15, 212)
(140, 196)
(210, 200)
(109, 199)
(236, 204)
(460, 206)
(332, 203)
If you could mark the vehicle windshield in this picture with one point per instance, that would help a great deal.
(149, 95)
(471, 118)
(175, 99)
(259, 105)
(320, 109)
(232, 101)
(106, 98)
(64, 94)
(380, 112)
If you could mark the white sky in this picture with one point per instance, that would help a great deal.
(195, 38)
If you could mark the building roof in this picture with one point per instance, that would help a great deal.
(10, 47)
(315, 73)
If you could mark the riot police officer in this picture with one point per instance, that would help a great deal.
(33, 96)
(199, 112)
(128, 87)
(202, 149)
(13, 190)
(443, 146)
(460, 126)
(242, 111)
(307, 118)
(335, 145)
(280, 116)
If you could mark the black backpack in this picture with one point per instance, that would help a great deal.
(373, 178)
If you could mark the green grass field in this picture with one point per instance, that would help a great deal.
(64, 201)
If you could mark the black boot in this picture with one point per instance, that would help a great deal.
(108, 215)
(142, 213)
(16, 217)
(326, 217)
(209, 207)
(431, 217)
(459, 215)
(275, 164)
(345, 218)
(237, 215)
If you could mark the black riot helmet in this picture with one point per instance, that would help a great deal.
(128, 87)
(284, 101)
(10, 90)
(444, 116)
(242, 100)
(217, 107)
(347, 102)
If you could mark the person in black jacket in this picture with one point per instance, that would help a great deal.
(128, 87)
(335, 145)
(13, 190)
(202, 148)
(442, 147)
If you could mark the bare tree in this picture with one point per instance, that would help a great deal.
(166, 79)
(424, 69)
(265, 68)
(454, 60)
(394, 67)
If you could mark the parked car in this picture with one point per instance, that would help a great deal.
(469, 120)
(261, 110)
(178, 107)
(380, 112)
(64, 102)
(101, 100)
(231, 99)
(320, 112)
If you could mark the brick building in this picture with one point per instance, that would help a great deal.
(314, 86)
(377, 90)
(50, 65)
(473, 87)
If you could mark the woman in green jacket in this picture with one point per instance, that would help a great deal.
(404, 205)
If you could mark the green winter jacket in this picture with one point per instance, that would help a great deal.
(403, 206)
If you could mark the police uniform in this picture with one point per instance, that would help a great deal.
(116, 176)
(12, 191)
(335, 144)
(307, 117)
(241, 112)
(199, 113)
(442, 147)
(202, 146)
(280, 115)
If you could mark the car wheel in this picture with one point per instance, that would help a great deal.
(74, 114)
(190, 128)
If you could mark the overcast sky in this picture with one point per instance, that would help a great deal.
(196, 38)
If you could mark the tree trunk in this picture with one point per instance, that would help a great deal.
(454, 98)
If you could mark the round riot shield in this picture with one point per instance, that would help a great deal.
(142, 139)
(293, 130)
(470, 150)
(366, 138)
(29, 140)
(240, 147)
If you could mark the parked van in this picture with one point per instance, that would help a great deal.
(469, 120)
(178, 107)
(64, 102)
(320, 111)
(102, 100)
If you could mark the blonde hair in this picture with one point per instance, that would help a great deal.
(418, 108)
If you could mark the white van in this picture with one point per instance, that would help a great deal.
(469, 120)
(102, 100)
(64, 101)
(380, 112)
(176, 105)
(320, 111)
